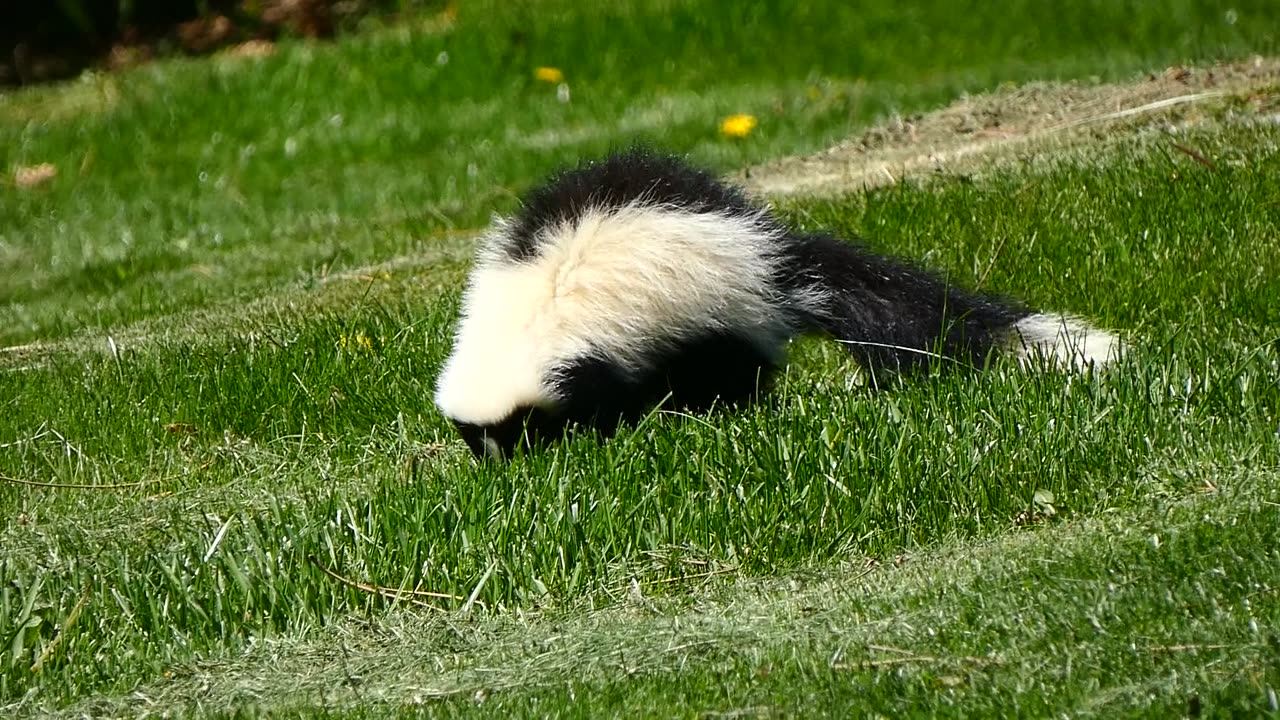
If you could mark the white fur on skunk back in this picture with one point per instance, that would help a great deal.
(638, 279)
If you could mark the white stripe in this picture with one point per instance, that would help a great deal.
(616, 282)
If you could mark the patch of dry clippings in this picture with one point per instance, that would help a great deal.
(982, 130)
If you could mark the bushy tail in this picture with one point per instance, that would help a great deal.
(891, 316)
(1066, 340)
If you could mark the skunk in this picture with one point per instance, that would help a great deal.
(638, 279)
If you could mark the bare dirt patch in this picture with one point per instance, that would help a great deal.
(984, 130)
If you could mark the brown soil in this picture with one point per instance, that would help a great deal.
(982, 130)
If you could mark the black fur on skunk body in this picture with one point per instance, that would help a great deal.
(638, 278)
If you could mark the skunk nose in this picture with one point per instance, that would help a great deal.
(482, 441)
(525, 427)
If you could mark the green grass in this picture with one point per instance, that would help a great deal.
(1058, 621)
(260, 418)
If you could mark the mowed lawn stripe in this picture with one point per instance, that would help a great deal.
(1155, 609)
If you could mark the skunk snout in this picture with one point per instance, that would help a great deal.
(524, 428)
(482, 443)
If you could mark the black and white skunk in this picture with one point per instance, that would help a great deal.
(638, 279)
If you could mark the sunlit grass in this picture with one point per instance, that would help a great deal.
(222, 464)
(190, 183)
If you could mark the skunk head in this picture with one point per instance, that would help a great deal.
(618, 284)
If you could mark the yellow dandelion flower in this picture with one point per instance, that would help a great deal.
(359, 341)
(737, 126)
(549, 74)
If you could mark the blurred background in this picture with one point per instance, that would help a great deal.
(53, 40)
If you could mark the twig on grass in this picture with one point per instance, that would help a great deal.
(1195, 155)
(74, 486)
(1186, 648)
(870, 569)
(409, 596)
(695, 576)
(890, 648)
(754, 711)
(913, 660)
(22, 348)
(1148, 107)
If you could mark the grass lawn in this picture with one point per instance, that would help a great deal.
(225, 486)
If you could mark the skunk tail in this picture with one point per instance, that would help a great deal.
(891, 316)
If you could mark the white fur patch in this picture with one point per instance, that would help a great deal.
(616, 282)
(1064, 339)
